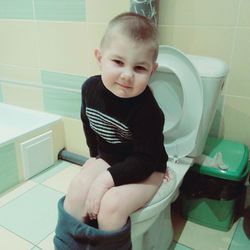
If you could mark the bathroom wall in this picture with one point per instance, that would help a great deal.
(46, 51)
(217, 28)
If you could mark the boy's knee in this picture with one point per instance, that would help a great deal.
(111, 203)
(77, 191)
(80, 181)
(112, 215)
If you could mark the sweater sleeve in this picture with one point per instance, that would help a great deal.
(148, 150)
(89, 133)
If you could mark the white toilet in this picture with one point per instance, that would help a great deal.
(186, 88)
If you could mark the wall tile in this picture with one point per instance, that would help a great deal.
(215, 127)
(244, 17)
(27, 97)
(62, 80)
(60, 10)
(199, 12)
(63, 47)
(74, 137)
(215, 28)
(1, 94)
(16, 9)
(206, 41)
(62, 102)
(8, 171)
(18, 44)
(201, 27)
(236, 119)
(105, 10)
(239, 78)
(20, 74)
(94, 39)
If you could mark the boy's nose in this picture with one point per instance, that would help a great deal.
(127, 75)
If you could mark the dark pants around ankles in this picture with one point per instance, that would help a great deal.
(71, 234)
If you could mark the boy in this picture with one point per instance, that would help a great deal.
(123, 125)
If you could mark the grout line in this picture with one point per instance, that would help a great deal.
(17, 197)
(236, 96)
(235, 28)
(19, 236)
(232, 239)
(35, 85)
(181, 244)
(45, 237)
(33, 10)
(51, 188)
(36, 247)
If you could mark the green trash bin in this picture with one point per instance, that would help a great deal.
(213, 196)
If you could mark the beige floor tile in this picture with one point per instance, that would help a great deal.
(16, 192)
(12, 241)
(202, 238)
(61, 181)
(47, 244)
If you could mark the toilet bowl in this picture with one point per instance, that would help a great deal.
(186, 88)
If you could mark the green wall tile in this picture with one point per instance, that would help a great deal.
(16, 9)
(62, 80)
(62, 102)
(60, 10)
(8, 170)
(65, 102)
(1, 93)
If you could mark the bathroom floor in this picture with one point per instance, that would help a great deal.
(28, 216)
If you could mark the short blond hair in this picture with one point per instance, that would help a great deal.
(137, 27)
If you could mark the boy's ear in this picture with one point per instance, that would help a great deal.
(155, 66)
(98, 55)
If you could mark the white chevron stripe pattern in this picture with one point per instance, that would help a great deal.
(107, 127)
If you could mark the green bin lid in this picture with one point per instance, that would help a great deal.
(234, 155)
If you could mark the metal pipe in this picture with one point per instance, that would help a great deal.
(71, 157)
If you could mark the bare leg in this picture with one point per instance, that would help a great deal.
(118, 203)
(79, 187)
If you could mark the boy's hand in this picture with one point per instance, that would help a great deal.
(98, 188)
(166, 177)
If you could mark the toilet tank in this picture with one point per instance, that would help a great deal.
(213, 73)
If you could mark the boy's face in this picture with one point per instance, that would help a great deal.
(126, 66)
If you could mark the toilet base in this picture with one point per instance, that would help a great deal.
(159, 235)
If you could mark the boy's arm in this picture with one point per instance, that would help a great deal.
(148, 150)
(90, 139)
(98, 188)
(89, 133)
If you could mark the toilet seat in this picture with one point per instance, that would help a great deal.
(166, 189)
(178, 90)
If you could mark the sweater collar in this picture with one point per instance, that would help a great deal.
(112, 96)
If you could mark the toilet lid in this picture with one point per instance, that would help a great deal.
(178, 90)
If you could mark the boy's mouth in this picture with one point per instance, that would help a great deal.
(124, 85)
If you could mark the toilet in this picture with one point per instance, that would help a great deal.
(186, 88)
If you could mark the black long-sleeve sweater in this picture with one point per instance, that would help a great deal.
(125, 132)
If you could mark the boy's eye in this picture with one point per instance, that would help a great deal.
(118, 62)
(140, 68)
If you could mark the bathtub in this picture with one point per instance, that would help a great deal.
(29, 143)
